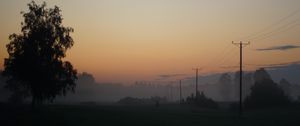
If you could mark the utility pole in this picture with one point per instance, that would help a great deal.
(180, 96)
(241, 45)
(196, 69)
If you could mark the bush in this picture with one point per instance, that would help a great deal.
(266, 94)
(201, 100)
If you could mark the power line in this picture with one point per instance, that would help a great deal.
(217, 57)
(262, 34)
(259, 33)
(220, 58)
(227, 57)
(283, 28)
(274, 64)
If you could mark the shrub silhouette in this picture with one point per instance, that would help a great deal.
(201, 101)
(265, 93)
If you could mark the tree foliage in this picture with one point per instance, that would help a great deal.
(265, 92)
(35, 63)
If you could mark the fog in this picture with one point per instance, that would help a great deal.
(219, 87)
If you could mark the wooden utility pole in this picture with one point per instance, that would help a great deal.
(241, 45)
(196, 69)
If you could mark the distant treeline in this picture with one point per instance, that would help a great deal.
(224, 89)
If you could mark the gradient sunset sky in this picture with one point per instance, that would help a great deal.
(128, 40)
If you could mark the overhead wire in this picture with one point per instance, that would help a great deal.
(226, 54)
(269, 27)
(281, 29)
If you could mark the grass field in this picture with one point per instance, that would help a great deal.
(144, 115)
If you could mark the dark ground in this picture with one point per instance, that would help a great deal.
(143, 115)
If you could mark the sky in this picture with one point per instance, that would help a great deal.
(122, 41)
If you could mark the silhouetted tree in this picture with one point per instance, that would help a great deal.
(35, 65)
(4, 92)
(261, 75)
(265, 93)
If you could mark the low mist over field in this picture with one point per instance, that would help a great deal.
(149, 62)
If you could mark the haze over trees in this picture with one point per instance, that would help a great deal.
(265, 93)
(225, 87)
(202, 101)
(88, 89)
(35, 67)
(141, 54)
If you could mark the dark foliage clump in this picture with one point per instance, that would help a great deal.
(201, 100)
(265, 94)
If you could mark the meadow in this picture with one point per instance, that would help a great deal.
(144, 115)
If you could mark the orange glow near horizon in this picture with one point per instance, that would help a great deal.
(125, 41)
